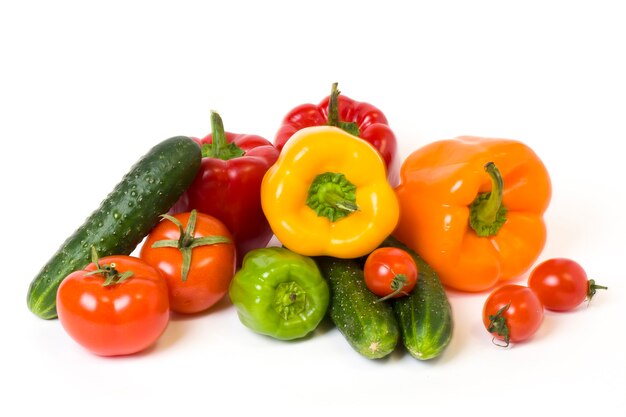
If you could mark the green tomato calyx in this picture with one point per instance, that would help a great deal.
(187, 242)
(111, 275)
(499, 326)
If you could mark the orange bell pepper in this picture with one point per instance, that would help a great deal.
(473, 208)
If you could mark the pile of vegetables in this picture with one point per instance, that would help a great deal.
(373, 256)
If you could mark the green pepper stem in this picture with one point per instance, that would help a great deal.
(487, 213)
(219, 147)
(290, 299)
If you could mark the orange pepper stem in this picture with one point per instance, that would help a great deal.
(487, 214)
(333, 113)
(331, 195)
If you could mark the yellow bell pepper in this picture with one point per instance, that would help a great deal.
(327, 194)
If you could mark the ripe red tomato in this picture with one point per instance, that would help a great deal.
(512, 313)
(390, 272)
(115, 317)
(561, 284)
(195, 253)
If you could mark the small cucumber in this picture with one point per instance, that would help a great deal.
(123, 219)
(369, 327)
(425, 315)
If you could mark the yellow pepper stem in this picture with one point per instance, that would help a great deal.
(331, 195)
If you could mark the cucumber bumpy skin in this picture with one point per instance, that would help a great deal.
(425, 315)
(369, 326)
(124, 218)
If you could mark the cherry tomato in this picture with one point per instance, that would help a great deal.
(110, 312)
(512, 313)
(390, 272)
(195, 253)
(561, 284)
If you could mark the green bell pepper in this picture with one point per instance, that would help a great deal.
(279, 293)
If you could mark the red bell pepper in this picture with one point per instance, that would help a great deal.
(228, 184)
(360, 119)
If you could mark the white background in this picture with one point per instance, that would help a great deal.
(86, 88)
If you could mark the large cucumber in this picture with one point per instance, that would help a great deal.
(425, 315)
(369, 327)
(123, 219)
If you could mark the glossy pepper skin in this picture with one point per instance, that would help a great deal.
(228, 185)
(439, 183)
(279, 293)
(332, 200)
(370, 123)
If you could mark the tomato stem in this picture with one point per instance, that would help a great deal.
(397, 285)
(187, 242)
(499, 326)
(591, 289)
(111, 275)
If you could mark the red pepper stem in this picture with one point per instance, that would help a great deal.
(219, 147)
(487, 214)
(217, 131)
(333, 106)
(333, 113)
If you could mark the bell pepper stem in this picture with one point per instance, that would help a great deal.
(219, 147)
(333, 106)
(331, 195)
(333, 113)
(487, 213)
(290, 299)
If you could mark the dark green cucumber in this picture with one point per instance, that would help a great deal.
(425, 315)
(369, 327)
(123, 219)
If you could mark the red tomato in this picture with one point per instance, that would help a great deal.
(119, 318)
(210, 258)
(561, 284)
(512, 313)
(390, 272)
